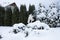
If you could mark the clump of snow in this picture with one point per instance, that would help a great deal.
(20, 27)
(41, 15)
(15, 26)
(30, 18)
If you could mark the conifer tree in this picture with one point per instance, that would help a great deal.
(23, 14)
(31, 9)
(8, 17)
(2, 13)
(15, 15)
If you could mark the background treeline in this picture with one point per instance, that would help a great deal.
(10, 16)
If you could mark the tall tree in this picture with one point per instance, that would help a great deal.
(15, 15)
(8, 17)
(31, 9)
(23, 14)
(2, 13)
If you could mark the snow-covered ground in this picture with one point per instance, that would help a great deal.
(51, 34)
(6, 33)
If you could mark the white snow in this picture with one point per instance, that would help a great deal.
(30, 19)
(41, 15)
(33, 34)
(38, 24)
(52, 34)
(19, 27)
(15, 26)
(53, 10)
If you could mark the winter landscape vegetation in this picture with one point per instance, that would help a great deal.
(29, 20)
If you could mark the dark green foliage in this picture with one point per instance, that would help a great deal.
(31, 9)
(23, 14)
(2, 13)
(15, 15)
(8, 17)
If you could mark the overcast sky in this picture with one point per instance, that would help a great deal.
(27, 2)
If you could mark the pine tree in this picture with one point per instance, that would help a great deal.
(2, 13)
(41, 13)
(23, 14)
(31, 9)
(8, 17)
(53, 15)
(15, 15)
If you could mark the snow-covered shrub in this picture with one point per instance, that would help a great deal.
(40, 16)
(18, 27)
(38, 25)
(15, 26)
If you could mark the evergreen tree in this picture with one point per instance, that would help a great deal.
(41, 13)
(2, 13)
(8, 17)
(53, 15)
(31, 9)
(15, 15)
(23, 14)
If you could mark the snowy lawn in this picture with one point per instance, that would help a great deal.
(51, 34)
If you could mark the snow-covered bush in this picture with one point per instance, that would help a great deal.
(38, 25)
(19, 27)
(15, 26)
(40, 16)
